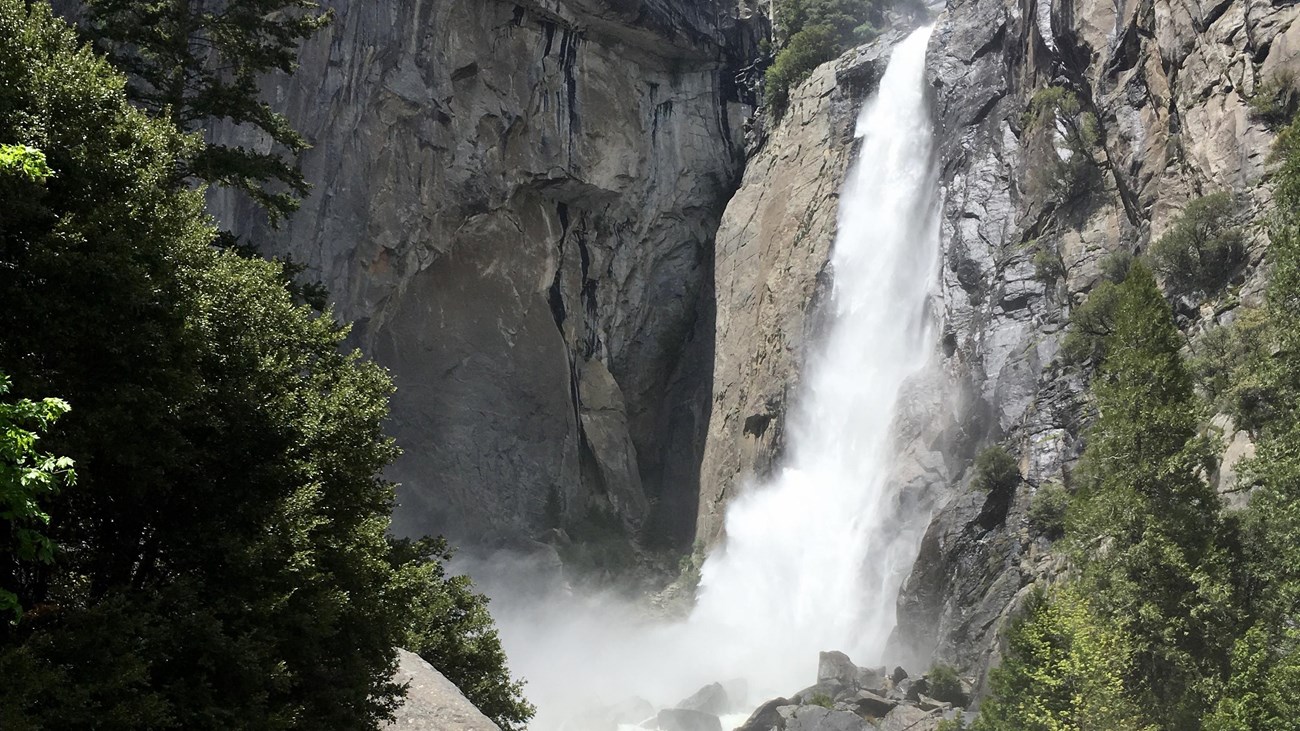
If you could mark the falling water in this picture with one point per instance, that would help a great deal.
(814, 558)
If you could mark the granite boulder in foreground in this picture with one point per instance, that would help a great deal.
(433, 703)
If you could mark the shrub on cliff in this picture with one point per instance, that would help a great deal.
(1202, 248)
(810, 33)
(1064, 138)
(995, 471)
(1276, 99)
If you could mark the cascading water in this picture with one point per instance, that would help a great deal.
(813, 559)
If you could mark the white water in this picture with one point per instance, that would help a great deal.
(812, 560)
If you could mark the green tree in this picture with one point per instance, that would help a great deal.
(1064, 669)
(1261, 692)
(27, 478)
(1202, 247)
(223, 561)
(449, 626)
(810, 33)
(1145, 526)
(198, 62)
(995, 470)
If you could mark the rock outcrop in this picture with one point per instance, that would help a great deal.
(516, 202)
(432, 702)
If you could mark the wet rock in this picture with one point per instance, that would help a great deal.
(817, 718)
(837, 668)
(908, 718)
(767, 717)
(870, 705)
(711, 698)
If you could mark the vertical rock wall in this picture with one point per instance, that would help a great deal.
(1169, 86)
(516, 203)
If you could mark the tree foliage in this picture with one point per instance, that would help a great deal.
(810, 33)
(1261, 690)
(1202, 248)
(995, 471)
(449, 626)
(222, 555)
(27, 478)
(1151, 552)
(1064, 670)
(1066, 137)
(198, 62)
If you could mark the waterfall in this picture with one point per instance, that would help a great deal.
(812, 559)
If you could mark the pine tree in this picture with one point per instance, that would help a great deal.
(198, 63)
(1145, 529)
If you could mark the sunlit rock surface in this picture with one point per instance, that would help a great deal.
(432, 702)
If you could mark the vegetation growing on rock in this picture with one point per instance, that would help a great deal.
(1193, 608)
(810, 33)
(1202, 248)
(995, 471)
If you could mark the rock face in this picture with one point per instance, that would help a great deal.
(432, 702)
(516, 202)
(1168, 87)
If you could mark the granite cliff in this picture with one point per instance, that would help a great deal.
(516, 203)
(595, 277)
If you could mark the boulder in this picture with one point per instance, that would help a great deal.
(817, 718)
(836, 667)
(907, 718)
(684, 719)
(867, 703)
(926, 703)
(712, 698)
(766, 717)
(432, 702)
(831, 689)
(872, 679)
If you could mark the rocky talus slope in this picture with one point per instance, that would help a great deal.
(516, 203)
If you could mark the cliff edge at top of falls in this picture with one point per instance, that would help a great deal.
(516, 203)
